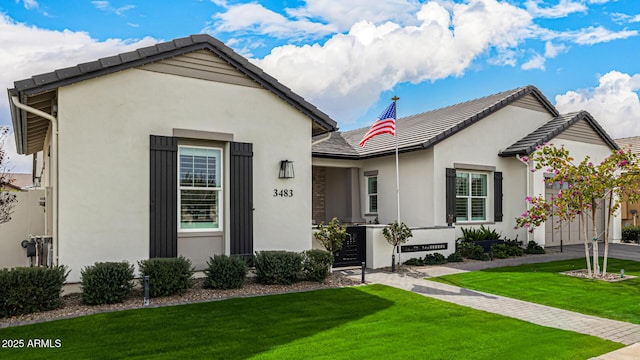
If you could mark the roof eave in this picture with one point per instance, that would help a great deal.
(17, 122)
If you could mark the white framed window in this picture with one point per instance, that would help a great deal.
(199, 188)
(471, 196)
(372, 194)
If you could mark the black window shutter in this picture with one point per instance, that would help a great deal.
(497, 196)
(163, 219)
(450, 196)
(241, 199)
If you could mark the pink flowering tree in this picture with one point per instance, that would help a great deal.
(589, 188)
(8, 199)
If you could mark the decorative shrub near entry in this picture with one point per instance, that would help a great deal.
(316, 265)
(278, 267)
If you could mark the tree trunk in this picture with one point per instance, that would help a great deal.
(586, 243)
(606, 236)
(594, 239)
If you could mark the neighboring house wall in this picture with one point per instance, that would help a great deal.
(104, 130)
(27, 219)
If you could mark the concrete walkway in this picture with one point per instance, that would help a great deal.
(412, 279)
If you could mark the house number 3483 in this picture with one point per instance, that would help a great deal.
(283, 192)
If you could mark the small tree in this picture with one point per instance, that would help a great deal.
(615, 179)
(7, 199)
(331, 236)
(396, 234)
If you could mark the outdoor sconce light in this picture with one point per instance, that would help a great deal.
(286, 170)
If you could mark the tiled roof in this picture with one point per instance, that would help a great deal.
(426, 129)
(632, 143)
(551, 129)
(61, 77)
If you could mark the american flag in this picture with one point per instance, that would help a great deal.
(386, 124)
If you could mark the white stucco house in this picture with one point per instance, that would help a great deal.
(458, 167)
(182, 148)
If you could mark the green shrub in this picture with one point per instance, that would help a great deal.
(106, 282)
(434, 259)
(414, 262)
(534, 248)
(167, 276)
(278, 267)
(26, 290)
(455, 257)
(483, 233)
(331, 236)
(499, 251)
(477, 253)
(465, 248)
(225, 272)
(316, 264)
(631, 233)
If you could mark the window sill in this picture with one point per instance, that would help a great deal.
(371, 214)
(475, 223)
(196, 233)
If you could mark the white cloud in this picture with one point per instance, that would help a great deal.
(28, 50)
(30, 4)
(17, 164)
(551, 50)
(347, 73)
(587, 36)
(106, 6)
(345, 13)
(621, 18)
(613, 103)
(536, 62)
(563, 9)
(256, 19)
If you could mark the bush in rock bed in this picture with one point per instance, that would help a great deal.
(455, 257)
(225, 272)
(106, 282)
(278, 267)
(26, 290)
(316, 264)
(534, 248)
(167, 276)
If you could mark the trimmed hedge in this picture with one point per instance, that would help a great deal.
(106, 282)
(316, 264)
(225, 272)
(278, 267)
(631, 233)
(25, 290)
(167, 276)
(534, 248)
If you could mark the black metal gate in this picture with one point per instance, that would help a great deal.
(353, 251)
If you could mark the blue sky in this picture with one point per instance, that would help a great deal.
(349, 57)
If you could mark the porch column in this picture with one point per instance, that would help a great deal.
(354, 215)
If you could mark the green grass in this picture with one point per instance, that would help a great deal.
(350, 323)
(541, 283)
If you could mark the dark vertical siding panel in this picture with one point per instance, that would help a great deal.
(163, 174)
(450, 196)
(241, 199)
(497, 196)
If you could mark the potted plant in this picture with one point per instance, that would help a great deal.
(483, 236)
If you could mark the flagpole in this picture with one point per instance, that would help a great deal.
(395, 99)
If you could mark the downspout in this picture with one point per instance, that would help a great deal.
(528, 189)
(54, 165)
(322, 140)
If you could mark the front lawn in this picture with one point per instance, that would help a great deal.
(541, 283)
(368, 322)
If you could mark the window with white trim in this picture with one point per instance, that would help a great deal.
(200, 188)
(471, 196)
(372, 194)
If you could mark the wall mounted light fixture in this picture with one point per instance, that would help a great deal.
(286, 170)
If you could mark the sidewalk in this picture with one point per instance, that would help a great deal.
(413, 280)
